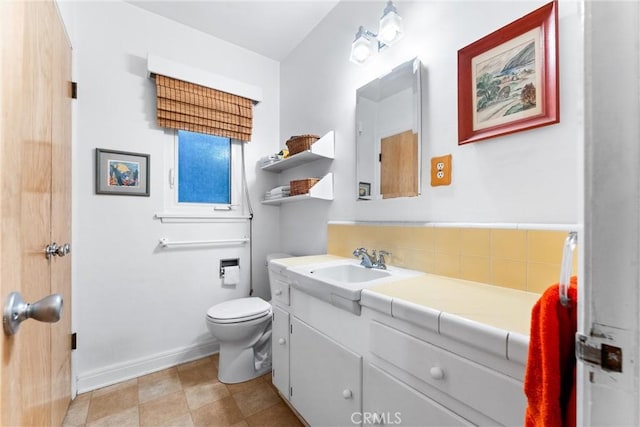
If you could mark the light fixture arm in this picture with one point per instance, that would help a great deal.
(390, 7)
(371, 36)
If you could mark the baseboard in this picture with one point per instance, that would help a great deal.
(119, 372)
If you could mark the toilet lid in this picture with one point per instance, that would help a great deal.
(239, 310)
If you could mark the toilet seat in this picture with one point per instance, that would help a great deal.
(239, 310)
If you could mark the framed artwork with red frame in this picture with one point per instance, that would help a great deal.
(508, 80)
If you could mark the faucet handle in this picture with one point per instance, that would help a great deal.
(380, 260)
(359, 251)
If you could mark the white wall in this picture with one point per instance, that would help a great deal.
(137, 307)
(527, 177)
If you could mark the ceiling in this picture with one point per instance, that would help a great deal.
(270, 28)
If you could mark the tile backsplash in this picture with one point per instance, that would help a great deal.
(528, 260)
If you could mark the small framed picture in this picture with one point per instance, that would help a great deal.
(122, 173)
(364, 189)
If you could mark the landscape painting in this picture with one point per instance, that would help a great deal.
(507, 80)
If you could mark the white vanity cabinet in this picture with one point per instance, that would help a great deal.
(280, 306)
(397, 362)
(280, 350)
(326, 378)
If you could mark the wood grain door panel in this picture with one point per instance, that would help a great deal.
(29, 33)
(399, 165)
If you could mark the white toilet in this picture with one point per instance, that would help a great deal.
(243, 329)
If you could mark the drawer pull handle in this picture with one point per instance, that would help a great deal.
(282, 341)
(347, 394)
(436, 373)
(278, 292)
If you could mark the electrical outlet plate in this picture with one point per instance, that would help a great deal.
(441, 170)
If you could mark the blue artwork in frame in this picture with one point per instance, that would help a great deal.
(122, 173)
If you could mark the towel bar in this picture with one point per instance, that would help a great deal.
(165, 243)
(567, 265)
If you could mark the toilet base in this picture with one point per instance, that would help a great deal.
(237, 365)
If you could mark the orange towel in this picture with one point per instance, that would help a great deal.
(550, 376)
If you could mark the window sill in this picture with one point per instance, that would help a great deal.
(173, 217)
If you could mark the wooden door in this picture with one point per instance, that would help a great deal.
(399, 165)
(30, 30)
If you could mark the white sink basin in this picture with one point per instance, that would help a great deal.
(341, 282)
(348, 273)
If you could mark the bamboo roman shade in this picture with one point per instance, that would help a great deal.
(188, 106)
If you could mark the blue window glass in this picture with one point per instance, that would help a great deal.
(204, 166)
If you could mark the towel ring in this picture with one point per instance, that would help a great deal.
(567, 265)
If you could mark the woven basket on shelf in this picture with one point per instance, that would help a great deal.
(299, 143)
(302, 186)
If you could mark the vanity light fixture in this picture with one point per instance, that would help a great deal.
(389, 31)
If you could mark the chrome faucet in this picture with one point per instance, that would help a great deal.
(367, 260)
(380, 262)
(372, 261)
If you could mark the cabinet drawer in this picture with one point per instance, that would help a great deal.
(495, 395)
(281, 292)
(390, 402)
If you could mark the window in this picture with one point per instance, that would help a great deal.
(205, 178)
(204, 168)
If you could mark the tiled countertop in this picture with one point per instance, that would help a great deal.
(493, 318)
(499, 307)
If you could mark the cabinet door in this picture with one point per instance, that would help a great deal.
(387, 401)
(326, 378)
(399, 165)
(280, 351)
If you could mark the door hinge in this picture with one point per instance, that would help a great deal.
(74, 90)
(291, 328)
(380, 157)
(608, 357)
(74, 341)
(291, 392)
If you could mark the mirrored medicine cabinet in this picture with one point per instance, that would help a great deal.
(388, 152)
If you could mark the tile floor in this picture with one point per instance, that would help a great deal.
(185, 395)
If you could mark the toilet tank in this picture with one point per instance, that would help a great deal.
(278, 283)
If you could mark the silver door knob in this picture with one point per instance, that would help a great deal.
(282, 341)
(48, 309)
(53, 249)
